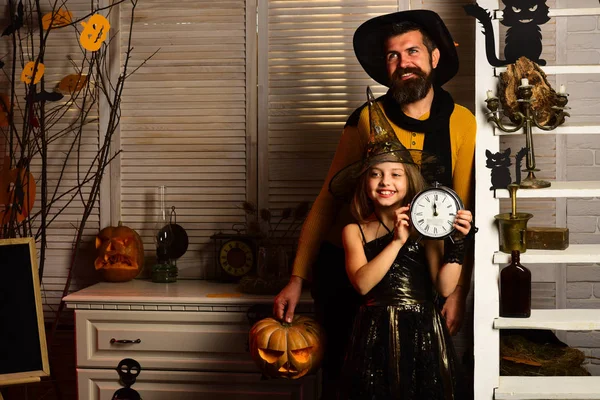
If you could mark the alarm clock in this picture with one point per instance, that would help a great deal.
(235, 255)
(433, 211)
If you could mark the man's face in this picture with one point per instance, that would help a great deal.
(410, 66)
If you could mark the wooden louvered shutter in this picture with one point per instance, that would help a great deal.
(184, 121)
(309, 83)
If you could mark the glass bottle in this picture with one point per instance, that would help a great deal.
(165, 269)
(515, 289)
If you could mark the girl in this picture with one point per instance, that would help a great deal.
(400, 347)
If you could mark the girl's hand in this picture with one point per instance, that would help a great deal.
(402, 224)
(462, 222)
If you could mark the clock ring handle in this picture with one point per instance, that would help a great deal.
(124, 341)
(173, 216)
(238, 227)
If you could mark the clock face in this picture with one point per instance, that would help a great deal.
(432, 212)
(236, 257)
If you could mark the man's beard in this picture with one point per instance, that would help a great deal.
(412, 89)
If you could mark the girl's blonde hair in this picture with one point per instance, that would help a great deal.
(362, 206)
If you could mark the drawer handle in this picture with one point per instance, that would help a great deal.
(124, 341)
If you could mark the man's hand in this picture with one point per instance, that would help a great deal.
(287, 299)
(454, 310)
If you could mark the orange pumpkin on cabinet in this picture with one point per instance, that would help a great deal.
(120, 253)
(286, 350)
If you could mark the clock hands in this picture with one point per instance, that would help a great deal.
(435, 213)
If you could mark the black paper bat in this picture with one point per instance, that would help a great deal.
(47, 96)
(16, 23)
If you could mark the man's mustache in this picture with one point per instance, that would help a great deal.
(397, 75)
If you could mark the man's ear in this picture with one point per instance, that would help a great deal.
(435, 58)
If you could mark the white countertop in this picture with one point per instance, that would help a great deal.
(182, 292)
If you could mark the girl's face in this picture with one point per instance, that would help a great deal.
(387, 183)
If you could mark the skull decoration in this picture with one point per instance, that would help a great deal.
(128, 370)
(27, 74)
(283, 350)
(94, 32)
(72, 83)
(56, 19)
(120, 253)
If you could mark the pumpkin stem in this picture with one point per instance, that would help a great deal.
(120, 223)
(286, 324)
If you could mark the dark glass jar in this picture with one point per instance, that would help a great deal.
(515, 289)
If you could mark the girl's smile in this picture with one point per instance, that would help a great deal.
(386, 193)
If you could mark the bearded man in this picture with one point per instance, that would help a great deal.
(413, 54)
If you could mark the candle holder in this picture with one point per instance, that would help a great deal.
(526, 119)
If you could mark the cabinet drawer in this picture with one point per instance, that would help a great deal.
(200, 341)
(182, 385)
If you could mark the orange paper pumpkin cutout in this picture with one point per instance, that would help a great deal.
(27, 74)
(4, 109)
(72, 83)
(17, 193)
(56, 20)
(94, 32)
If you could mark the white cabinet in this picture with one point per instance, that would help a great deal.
(190, 338)
(101, 384)
(488, 260)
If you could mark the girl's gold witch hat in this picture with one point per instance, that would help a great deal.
(383, 146)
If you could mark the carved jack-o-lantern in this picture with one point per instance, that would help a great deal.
(283, 350)
(56, 20)
(94, 32)
(120, 253)
(27, 74)
(72, 83)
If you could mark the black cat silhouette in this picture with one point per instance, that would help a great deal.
(518, 159)
(499, 163)
(523, 37)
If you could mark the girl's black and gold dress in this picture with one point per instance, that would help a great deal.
(400, 347)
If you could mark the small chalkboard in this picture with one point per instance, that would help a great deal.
(23, 351)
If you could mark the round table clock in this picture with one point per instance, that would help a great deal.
(235, 255)
(433, 210)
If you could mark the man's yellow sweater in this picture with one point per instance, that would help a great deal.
(328, 216)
